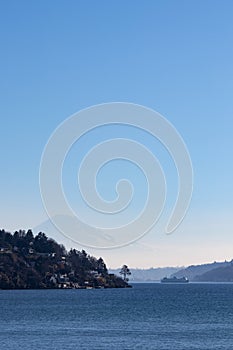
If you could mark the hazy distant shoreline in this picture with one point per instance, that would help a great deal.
(216, 272)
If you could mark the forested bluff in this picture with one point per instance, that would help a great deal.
(39, 262)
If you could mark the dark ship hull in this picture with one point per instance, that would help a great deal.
(174, 280)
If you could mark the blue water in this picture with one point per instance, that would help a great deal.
(148, 316)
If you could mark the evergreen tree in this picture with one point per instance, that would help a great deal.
(125, 271)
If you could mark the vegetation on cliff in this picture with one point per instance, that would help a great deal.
(38, 262)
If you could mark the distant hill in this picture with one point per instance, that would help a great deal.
(148, 275)
(202, 272)
(219, 274)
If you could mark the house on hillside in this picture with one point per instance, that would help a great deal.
(3, 250)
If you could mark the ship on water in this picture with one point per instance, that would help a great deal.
(174, 280)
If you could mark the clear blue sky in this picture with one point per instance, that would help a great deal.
(176, 57)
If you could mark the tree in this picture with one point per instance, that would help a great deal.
(41, 243)
(125, 271)
(29, 236)
(101, 267)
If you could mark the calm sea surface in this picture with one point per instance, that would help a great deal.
(148, 316)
